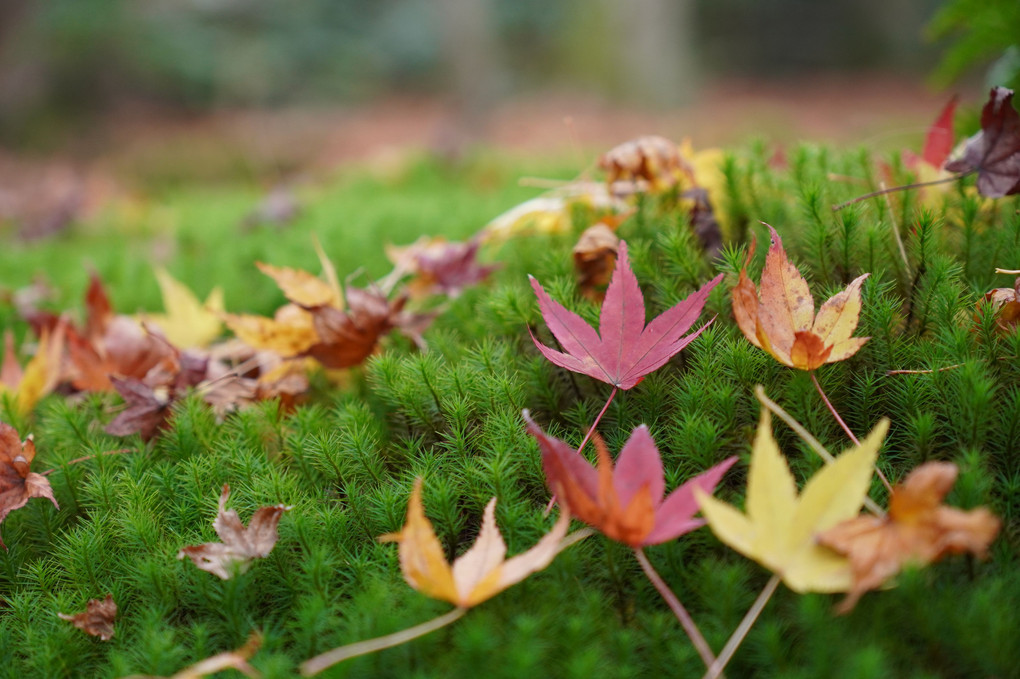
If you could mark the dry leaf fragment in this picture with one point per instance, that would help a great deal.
(783, 321)
(594, 260)
(918, 529)
(626, 503)
(96, 619)
(478, 574)
(17, 483)
(779, 527)
(994, 152)
(440, 267)
(147, 408)
(551, 213)
(647, 163)
(240, 545)
(1005, 303)
(228, 660)
(624, 349)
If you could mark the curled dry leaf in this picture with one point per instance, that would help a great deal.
(1005, 304)
(440, 267)
(780, 316)
(918, 529)
(97, 618)
(594, 260)
(994, 152)
(481, 572)
(39, 376)
(187, 322)
(624, 350)
(17, 483)
(626, 503)
(779, 528)
(551, 213)
(240, 545)
(649, 163)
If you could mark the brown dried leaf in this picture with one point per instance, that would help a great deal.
(240, 545)
(440, 267)
(1005, 303)
(918, 529)
(647, 163)
(229, 660)
(17, 483)
(595, 259)
(96, 619)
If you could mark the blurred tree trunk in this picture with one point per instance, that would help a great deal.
(470, 56)
(656, 49)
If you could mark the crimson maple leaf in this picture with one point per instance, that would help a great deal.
(994, 152)
(624, 349)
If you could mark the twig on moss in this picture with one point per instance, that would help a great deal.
(119, 451)
(925, 372)
(905, 187)
(896, 232)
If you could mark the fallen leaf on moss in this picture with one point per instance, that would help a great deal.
(240, 545)
(624, 349)
(39, 376)
(648, 163)
(994, 152)
(1005, 304)
(187, 323)
(17, 483)
(594, 260)
(97, 618)
(783, 321)
(779, 528)
(290, 332)
(918, 529)
(551, 213)
(478, 574)
(440, 267)
(626, 503)
(301, 287)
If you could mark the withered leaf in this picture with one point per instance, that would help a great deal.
(1005, 304)
(97, 618)
(648, 163)
(228, 660)
(918, 529)
(440, 267)
(147, 408)
(240, 545)
(994, 152)
(594, 260)
(17, 483)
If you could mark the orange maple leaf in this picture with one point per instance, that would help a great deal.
(478, 574)
(17, 484)
(918, 529)
(780, 316)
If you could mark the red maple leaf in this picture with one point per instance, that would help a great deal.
(994, 152)
(938, 143)
(623, 350)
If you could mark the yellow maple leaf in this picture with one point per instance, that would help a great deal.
(478, 574)
(779, 528)
(40, 375)
(187, 323)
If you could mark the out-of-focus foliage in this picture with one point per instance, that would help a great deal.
(983, 32)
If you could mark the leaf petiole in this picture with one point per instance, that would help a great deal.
(330, 658)
(679, 611)
(832, 409)
(715, 670)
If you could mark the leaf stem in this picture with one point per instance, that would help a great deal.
(812, 442)
(119, 451)
(742, 629)
(905, 187)
(832, 409)
(591, 430)
(330, 658)
(598, 418)
(678, 610)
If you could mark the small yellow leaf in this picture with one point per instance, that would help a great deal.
(290, 333)
(187, 323)
(301, 287)
(779, 529)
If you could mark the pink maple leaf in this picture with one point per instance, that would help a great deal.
(624, 349)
